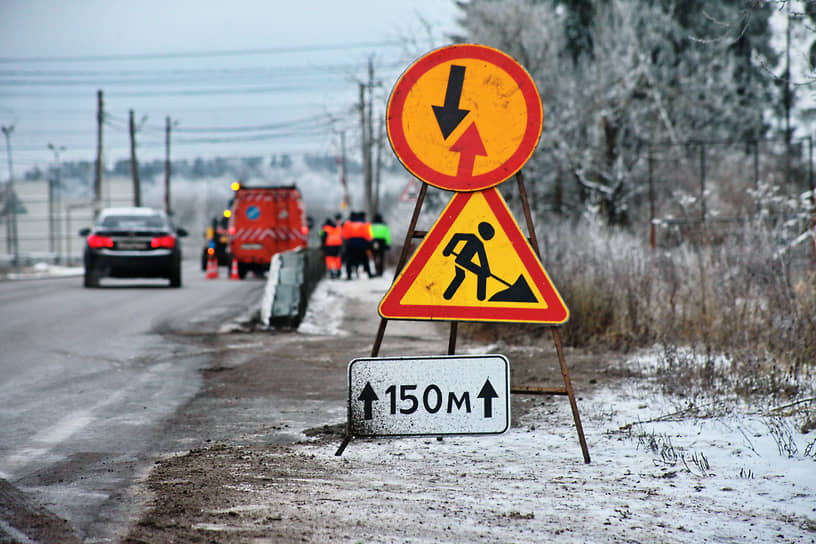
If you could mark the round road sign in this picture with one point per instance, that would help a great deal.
(464, 117)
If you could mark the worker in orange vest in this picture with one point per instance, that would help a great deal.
(331, 242)
(357, 240)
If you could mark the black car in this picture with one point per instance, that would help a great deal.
(132, 243)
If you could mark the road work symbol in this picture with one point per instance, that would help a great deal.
(472, 258)
(464, 117)
(475, 265)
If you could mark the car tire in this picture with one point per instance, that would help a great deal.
(175, 276)
(91, 278)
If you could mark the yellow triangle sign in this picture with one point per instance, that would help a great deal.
(475, 265)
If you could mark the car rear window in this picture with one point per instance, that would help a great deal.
(133, 222)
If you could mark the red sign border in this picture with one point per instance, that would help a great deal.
(409, 78)
(556, 312)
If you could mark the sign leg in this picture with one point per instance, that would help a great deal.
(375, 349)
(341, 449)
(570, 393)
(556, 336)
(527, 215)
(406, 248)
(452, 338)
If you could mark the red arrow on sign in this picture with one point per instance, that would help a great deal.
(468, 146)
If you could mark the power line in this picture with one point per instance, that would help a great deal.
(320, 120)
(203, 54)
(256, 138)
(163, 74)
(246, 90)
(195, 90)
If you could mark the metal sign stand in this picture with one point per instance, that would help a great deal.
(534, 390)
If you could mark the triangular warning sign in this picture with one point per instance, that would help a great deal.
(411, 191)
(475, 265)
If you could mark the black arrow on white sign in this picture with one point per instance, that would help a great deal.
(488, 394)
(368, 396)
(449, 115)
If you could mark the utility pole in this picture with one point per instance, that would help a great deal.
(341, 167)
(367, 131)
(371, 205)
(134, 165)
(167, 126)
(378, 164)
(97, 188)
(788, 97)
(55, 226)
(11, 202)
(812, 196)
(365, 148)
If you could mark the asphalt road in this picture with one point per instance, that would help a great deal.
(88, 379)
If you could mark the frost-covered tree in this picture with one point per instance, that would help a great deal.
(615, 75)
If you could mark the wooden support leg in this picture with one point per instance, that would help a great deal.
(342, 448)
(570, 393)
(375, 349)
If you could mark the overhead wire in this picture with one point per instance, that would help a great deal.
(63, 82)
(174, 75)
(204, 54)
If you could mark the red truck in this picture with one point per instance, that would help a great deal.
(264, 221)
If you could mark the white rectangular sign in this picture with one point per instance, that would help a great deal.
(421, 396)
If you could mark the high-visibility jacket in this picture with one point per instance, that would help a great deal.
(380, 231)
(333, 235)
(357, 234)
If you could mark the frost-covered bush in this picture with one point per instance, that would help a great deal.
(743, 296)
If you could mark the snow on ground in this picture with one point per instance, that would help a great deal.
(324, 313)
(43, 270)
(657, 474)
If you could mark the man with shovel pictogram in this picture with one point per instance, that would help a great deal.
(474, 248)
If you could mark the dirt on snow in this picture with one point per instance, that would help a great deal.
(252, 457)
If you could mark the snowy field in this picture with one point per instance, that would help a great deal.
(660, 471)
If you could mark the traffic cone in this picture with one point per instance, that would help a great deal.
(234, 270)
(212, 268)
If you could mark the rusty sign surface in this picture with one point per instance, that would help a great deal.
(429, 396)
(464, 117)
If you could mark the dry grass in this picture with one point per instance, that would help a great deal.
(737, 297)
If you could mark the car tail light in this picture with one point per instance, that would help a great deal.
(165, 242)
(95, 241)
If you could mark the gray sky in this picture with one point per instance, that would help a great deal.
(266, 74)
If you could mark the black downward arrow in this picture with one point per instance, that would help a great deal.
(367, 396)
(488, 394)
(449, 116)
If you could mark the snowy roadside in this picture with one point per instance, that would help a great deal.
(661, 472)
(41, 270)
(664, 469)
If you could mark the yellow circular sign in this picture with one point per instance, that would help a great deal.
(464, 117)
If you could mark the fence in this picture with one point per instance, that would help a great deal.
(48, 222)
(706, 189)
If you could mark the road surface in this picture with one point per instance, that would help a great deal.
(88, 378)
